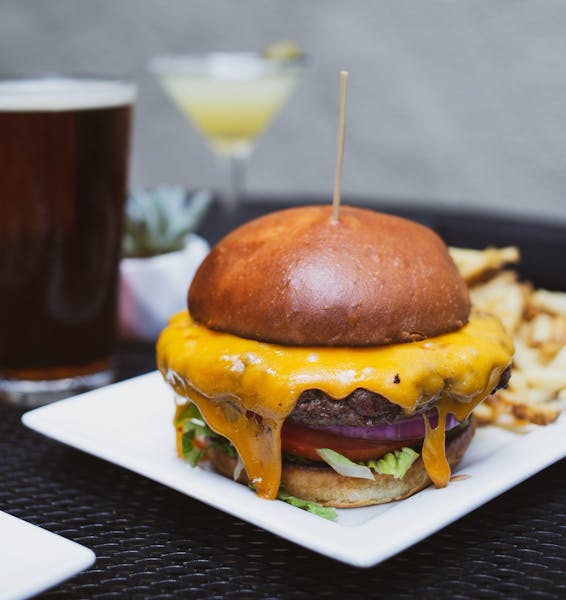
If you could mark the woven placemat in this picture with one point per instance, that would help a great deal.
(152, 542)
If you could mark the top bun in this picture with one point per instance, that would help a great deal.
(297, 277)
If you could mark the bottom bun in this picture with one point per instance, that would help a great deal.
(319, 483)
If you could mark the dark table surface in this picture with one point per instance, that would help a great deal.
(153, 542)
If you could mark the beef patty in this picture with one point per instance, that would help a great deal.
(361, 408)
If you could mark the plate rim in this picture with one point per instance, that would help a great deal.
(77, 558)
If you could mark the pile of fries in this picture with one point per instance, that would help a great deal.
(536, 319)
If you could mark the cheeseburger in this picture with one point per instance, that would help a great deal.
(336, 361)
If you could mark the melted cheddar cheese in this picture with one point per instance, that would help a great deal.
(230, 378)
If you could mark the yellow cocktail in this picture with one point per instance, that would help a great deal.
(229, 97)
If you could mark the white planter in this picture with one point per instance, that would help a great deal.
(153, 289)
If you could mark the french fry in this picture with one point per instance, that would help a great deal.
(503, 296)
(550, 302)
(538, 414)
(537, 321)
(475, 264)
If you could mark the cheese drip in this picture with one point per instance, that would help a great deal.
(434, 448)
(245, 389)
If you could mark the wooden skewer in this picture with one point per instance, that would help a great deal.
(340, 147)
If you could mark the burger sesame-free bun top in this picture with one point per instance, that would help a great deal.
(297, 277)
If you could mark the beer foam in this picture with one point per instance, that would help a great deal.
(62, 93)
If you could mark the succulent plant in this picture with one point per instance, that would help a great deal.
(159, 219)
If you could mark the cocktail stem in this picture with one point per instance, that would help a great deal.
(235, 189)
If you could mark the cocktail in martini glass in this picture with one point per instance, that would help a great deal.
(230, 98)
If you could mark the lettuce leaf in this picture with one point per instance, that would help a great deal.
(395, 463)
(194, 427)
(191, 453)
(344, 466)
(326, 512)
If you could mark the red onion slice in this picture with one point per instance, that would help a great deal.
(404, 429)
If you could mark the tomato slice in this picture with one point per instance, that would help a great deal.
(303, 441)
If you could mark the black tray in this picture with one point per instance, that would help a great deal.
(152, 542)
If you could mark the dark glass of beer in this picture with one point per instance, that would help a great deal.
(64, 145)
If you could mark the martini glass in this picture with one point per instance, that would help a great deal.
(230, 98)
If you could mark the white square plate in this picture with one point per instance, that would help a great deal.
(130, 424)
(33, 559)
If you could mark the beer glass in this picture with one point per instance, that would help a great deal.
(64, 144)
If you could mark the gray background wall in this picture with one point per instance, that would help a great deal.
(450, 102)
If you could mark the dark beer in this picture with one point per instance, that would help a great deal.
(63, 175)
